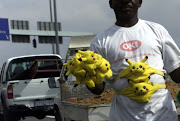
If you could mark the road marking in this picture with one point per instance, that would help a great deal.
(50, 116)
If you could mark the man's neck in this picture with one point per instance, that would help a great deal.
(126, 23)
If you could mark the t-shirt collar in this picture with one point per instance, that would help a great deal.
(138, 24)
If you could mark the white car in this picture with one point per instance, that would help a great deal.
(29, 86)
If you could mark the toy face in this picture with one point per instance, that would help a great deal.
(105, 67)
(137, 67)
(87, 56)
(71, 64)
(141, 89)
(91, 58)
(98, 57)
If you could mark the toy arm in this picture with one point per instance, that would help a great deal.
(89, 83)
(80, 72)
(82, 59)
(159, 72)
(65, 64)
(123, 73)
(109, 74)
(68, 73)
(151, 70)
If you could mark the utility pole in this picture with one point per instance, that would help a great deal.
(53, 42)
(56, 29)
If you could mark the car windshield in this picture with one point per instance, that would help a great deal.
(34, 67)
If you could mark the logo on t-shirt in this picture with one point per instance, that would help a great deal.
(130, 45)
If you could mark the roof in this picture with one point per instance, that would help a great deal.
(47, 33)
(81, 41)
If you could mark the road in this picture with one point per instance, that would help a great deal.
(48, 118)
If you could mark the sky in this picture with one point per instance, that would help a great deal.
(84, 16)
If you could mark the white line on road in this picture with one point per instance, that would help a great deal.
(50, 116)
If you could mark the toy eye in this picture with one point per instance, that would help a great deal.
(92, 56)
(70, 63)
(140, 66)
(133, 67)
(144, 87)
(136, 88)
(106, 64)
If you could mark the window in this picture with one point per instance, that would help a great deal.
(34, 67)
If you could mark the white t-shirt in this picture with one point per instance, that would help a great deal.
(134, 43)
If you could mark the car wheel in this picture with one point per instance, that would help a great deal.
(8, 116)
(57, 114)
(1, 117)
(40, 116)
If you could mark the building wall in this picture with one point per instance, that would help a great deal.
(9, 49)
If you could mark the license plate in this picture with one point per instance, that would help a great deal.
(44, 102)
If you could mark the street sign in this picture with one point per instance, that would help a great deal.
(4, 29)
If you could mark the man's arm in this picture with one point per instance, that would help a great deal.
(98, 89)
(175, 75)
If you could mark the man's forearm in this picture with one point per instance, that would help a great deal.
(175, 75)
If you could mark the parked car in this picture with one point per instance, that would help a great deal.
(29, 86)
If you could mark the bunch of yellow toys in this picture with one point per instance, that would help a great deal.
(89, 68)
(140, 88)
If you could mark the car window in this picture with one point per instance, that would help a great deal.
(33, 67)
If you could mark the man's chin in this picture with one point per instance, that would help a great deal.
(126, 16)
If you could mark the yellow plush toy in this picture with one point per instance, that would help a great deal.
(103, 71)
(89, 68)
(140, 92)
(138, 71)
(90, 61)
(89, 81)
(74, 67)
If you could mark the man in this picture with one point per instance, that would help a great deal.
(132, 38)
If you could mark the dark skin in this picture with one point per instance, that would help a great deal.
(175, 75)
(126, 12)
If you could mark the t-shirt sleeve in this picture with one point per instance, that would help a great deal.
(171, 53)
(96, 45)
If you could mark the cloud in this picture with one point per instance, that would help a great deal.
(164, 12)
(91, 15)
(82, 16)
(88, 18)
(1, 5)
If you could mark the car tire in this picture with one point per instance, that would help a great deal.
(8, 116)
(40, 116)
(57, 113)
(1, 117)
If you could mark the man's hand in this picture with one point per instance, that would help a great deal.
(75, 85)
(98, 89)
(175, 75)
